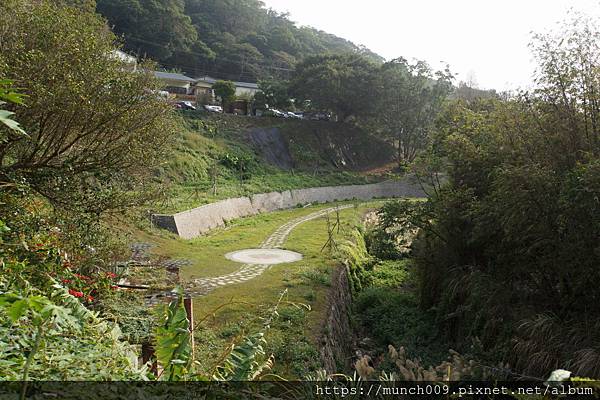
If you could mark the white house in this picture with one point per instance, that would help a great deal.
(176, 83)
(241, 88)
(245, 88)
(129, 61)
(204, 86)
(198, 89)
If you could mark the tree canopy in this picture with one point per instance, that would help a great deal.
(273, 93)
(237, 40)
(344, 84)
(94, 128)
(409, 99)
(397, 100)
(225, 90)
(158, 29)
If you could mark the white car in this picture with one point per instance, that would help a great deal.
(277, 113)
(293, 115)
(210, 108)
(185, 105)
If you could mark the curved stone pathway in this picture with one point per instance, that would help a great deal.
(202, 286)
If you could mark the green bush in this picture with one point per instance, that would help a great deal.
(316, 276)
(389, 273)
(394, 317)
(508, 250)
(46, 332)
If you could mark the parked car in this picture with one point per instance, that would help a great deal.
(271, 112)
(293, 115)
(211, 108)
(321, 116)
(185, 105)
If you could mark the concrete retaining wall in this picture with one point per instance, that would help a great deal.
(192, 223)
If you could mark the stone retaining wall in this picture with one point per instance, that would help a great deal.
(192, 223)
(337, 338)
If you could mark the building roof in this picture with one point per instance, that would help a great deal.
(247, 85)
(173, 76)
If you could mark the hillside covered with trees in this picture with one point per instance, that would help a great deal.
(239, 40)
(499, 263)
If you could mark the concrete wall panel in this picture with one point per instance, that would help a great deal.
(192, 223)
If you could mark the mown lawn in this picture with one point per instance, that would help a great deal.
(230, 312)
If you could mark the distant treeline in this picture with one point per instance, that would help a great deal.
(228, 39)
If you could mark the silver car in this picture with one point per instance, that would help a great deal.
(210, 108)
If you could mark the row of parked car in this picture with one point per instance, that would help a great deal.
(314, 116)
(282, 114)
(188, 105)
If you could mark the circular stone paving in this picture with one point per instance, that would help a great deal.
(263, 256)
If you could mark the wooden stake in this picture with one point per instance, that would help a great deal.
(189, 310)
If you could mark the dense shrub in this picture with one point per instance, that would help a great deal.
(394, 317)
(46, 331)
(509, 251)
(95, 128)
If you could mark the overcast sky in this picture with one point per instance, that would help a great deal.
(481, 38)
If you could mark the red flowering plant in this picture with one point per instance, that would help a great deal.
(40, 262)
(88, 287)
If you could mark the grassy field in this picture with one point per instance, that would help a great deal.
(214, 150)
(232, 311)
(268, 179)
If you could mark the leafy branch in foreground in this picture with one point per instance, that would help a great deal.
(56, 338)
(245, 360)
(173, 340)
(8, 94)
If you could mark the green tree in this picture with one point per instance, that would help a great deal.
(567, 80)
(281, 38)
(467, 92)
(94, 128)
(86, 5)
(409, 98)
(225, 90)
(157, 29)
(240, 57)
(343, 84)
(274, 94)
(508, 250)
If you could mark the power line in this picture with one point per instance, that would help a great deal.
(244, 77)
(164, 46)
